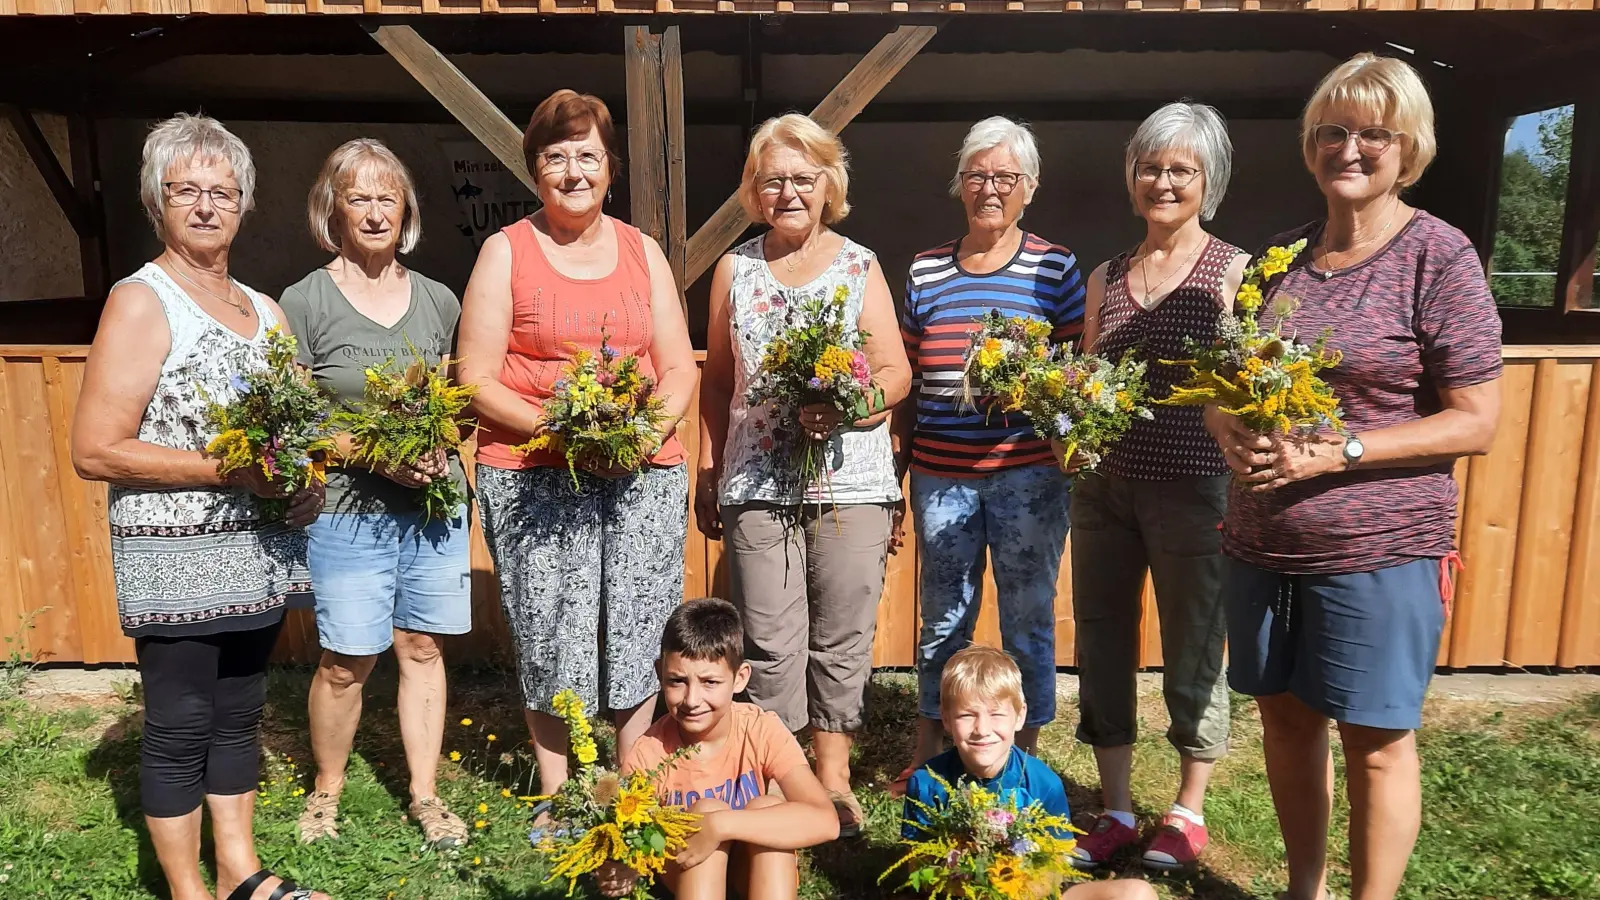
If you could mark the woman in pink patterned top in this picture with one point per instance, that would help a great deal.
(1341, 545)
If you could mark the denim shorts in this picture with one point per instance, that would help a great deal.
(375, 572)
(1360, 648)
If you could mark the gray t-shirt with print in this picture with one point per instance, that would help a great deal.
(339, 344)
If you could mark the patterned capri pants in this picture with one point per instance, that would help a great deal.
(587, 576)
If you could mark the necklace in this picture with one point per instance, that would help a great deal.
(244, 309)
(1328, 271)
(1144, 272)
(795, 259)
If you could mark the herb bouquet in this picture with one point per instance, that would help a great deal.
(1080, 400)
(405, 416)
(1267, 380)
(603, 413)
(979, 846)
(605, 818)
(816, 359)
(278, 421)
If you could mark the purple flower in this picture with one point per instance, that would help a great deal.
(237, 382)
(1023, 847)
(608, 352)
(1063, 424)
(815, 383)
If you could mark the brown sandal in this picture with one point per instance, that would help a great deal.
(441, 828)
(849, 811)
(321, 818)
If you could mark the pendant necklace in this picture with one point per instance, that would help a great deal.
(1328, 271)
(1144, 273)
(244, 309)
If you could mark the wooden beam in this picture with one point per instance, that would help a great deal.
(44, 159)
(92, 251)
(647, 127)
(848, 97)
(677, 182)
(1575, 267)
(470, 106)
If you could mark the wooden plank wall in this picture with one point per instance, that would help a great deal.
(1530, 595)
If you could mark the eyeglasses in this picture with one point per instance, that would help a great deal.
(803, 183)
(1369, 141)
(589, 161)
(1178, 176)
(1004, 182)
(184, 193)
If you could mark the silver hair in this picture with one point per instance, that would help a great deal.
(998, 131)
(180, 139)
(1190, 126)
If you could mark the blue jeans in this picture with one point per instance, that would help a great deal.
(373, 573)
(1019, 516)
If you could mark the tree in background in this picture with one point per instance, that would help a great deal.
(1533, 196)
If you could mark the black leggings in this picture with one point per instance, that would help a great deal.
(203, 697)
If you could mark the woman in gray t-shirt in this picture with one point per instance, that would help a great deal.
(383, 575)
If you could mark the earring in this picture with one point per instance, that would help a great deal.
(608, 195)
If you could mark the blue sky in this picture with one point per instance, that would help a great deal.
(1524, 133)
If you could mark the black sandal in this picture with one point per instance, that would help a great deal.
(286, 889)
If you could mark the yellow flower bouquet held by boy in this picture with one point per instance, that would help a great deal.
(815, 360)
(405, 416)
(278, 420)
(980, 847)
(603, 817)
(603, 413)
(1266, 380)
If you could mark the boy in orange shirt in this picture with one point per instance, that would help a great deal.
(749, 779)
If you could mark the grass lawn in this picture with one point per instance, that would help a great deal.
(1512, 801)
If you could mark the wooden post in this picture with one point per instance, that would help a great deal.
(848, 97)
(647, 152)
(1575, 266)
(677, 182)
(93, 254)
(439, 77)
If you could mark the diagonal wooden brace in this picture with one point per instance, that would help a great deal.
(55, 177)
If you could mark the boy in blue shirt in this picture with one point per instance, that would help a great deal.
(982, 708)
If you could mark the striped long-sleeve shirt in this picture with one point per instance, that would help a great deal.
(943, 304)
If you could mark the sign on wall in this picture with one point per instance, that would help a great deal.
(488, 196)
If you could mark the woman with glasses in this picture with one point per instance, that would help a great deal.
(202, 573)
(609, 551)
(982, 484)
(1341, 543)
(384, 574)
(807, 559)
(1153, 505)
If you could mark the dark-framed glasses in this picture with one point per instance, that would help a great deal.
(186, 193)
(1004, 182)
(588, 161)
(1178, 176)
(804, 183)
(1370, 141)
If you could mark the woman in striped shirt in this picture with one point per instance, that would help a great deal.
(984, 483)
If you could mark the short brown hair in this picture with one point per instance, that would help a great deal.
(564, 116)
(982, 674)
(704, 630)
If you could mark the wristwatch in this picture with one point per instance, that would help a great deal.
(1353, 451)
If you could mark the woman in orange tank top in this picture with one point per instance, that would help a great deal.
(610, 550)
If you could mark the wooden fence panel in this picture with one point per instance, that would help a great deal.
(1530, 594)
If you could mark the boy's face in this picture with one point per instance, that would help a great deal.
(698, 692)
(983, 731)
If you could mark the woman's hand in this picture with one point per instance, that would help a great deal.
(1069, 465)
(418, 474)
(615, 879)
(707, 507)
(1243, 449)
(257, 482)
(818, 420)
(703, 842)
(897, 527)
(1294, 458)
(306, 504)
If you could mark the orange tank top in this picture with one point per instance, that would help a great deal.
(552, 315)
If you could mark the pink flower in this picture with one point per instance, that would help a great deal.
(1000, 817)
(859, 368)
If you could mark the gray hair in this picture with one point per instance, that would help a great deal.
(340, 170)
(998, 131)
(1191, 126)
(182, 138)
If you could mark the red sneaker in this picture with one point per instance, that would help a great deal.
(1177, 845)
(1104, 839)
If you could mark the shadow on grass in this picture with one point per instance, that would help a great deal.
(115, 761)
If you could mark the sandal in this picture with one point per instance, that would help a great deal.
(286, 889)
(441, 828)
(850, 815)
(320, 819)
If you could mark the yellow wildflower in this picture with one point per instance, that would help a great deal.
(506, 793)
(1005, 875)
(587, 754)
(480, 824)
(492, 738)
(455, 756)
(1249, 297)
(466, 723)
(1055, 382)
(477, 860)
(483, 808)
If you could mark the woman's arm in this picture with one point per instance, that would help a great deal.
(886, 353)
(671, 352)
(485, 332)
(1093, 295)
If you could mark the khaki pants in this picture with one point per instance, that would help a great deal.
(1120, 529)
(807, 581)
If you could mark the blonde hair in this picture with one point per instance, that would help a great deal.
(980, 673)
(1388, 88)
(818, 144)
(339, 170)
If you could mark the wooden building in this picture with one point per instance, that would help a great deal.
(447, 84)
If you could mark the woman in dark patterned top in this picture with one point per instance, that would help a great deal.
(1154, 504)
(1340, 546)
